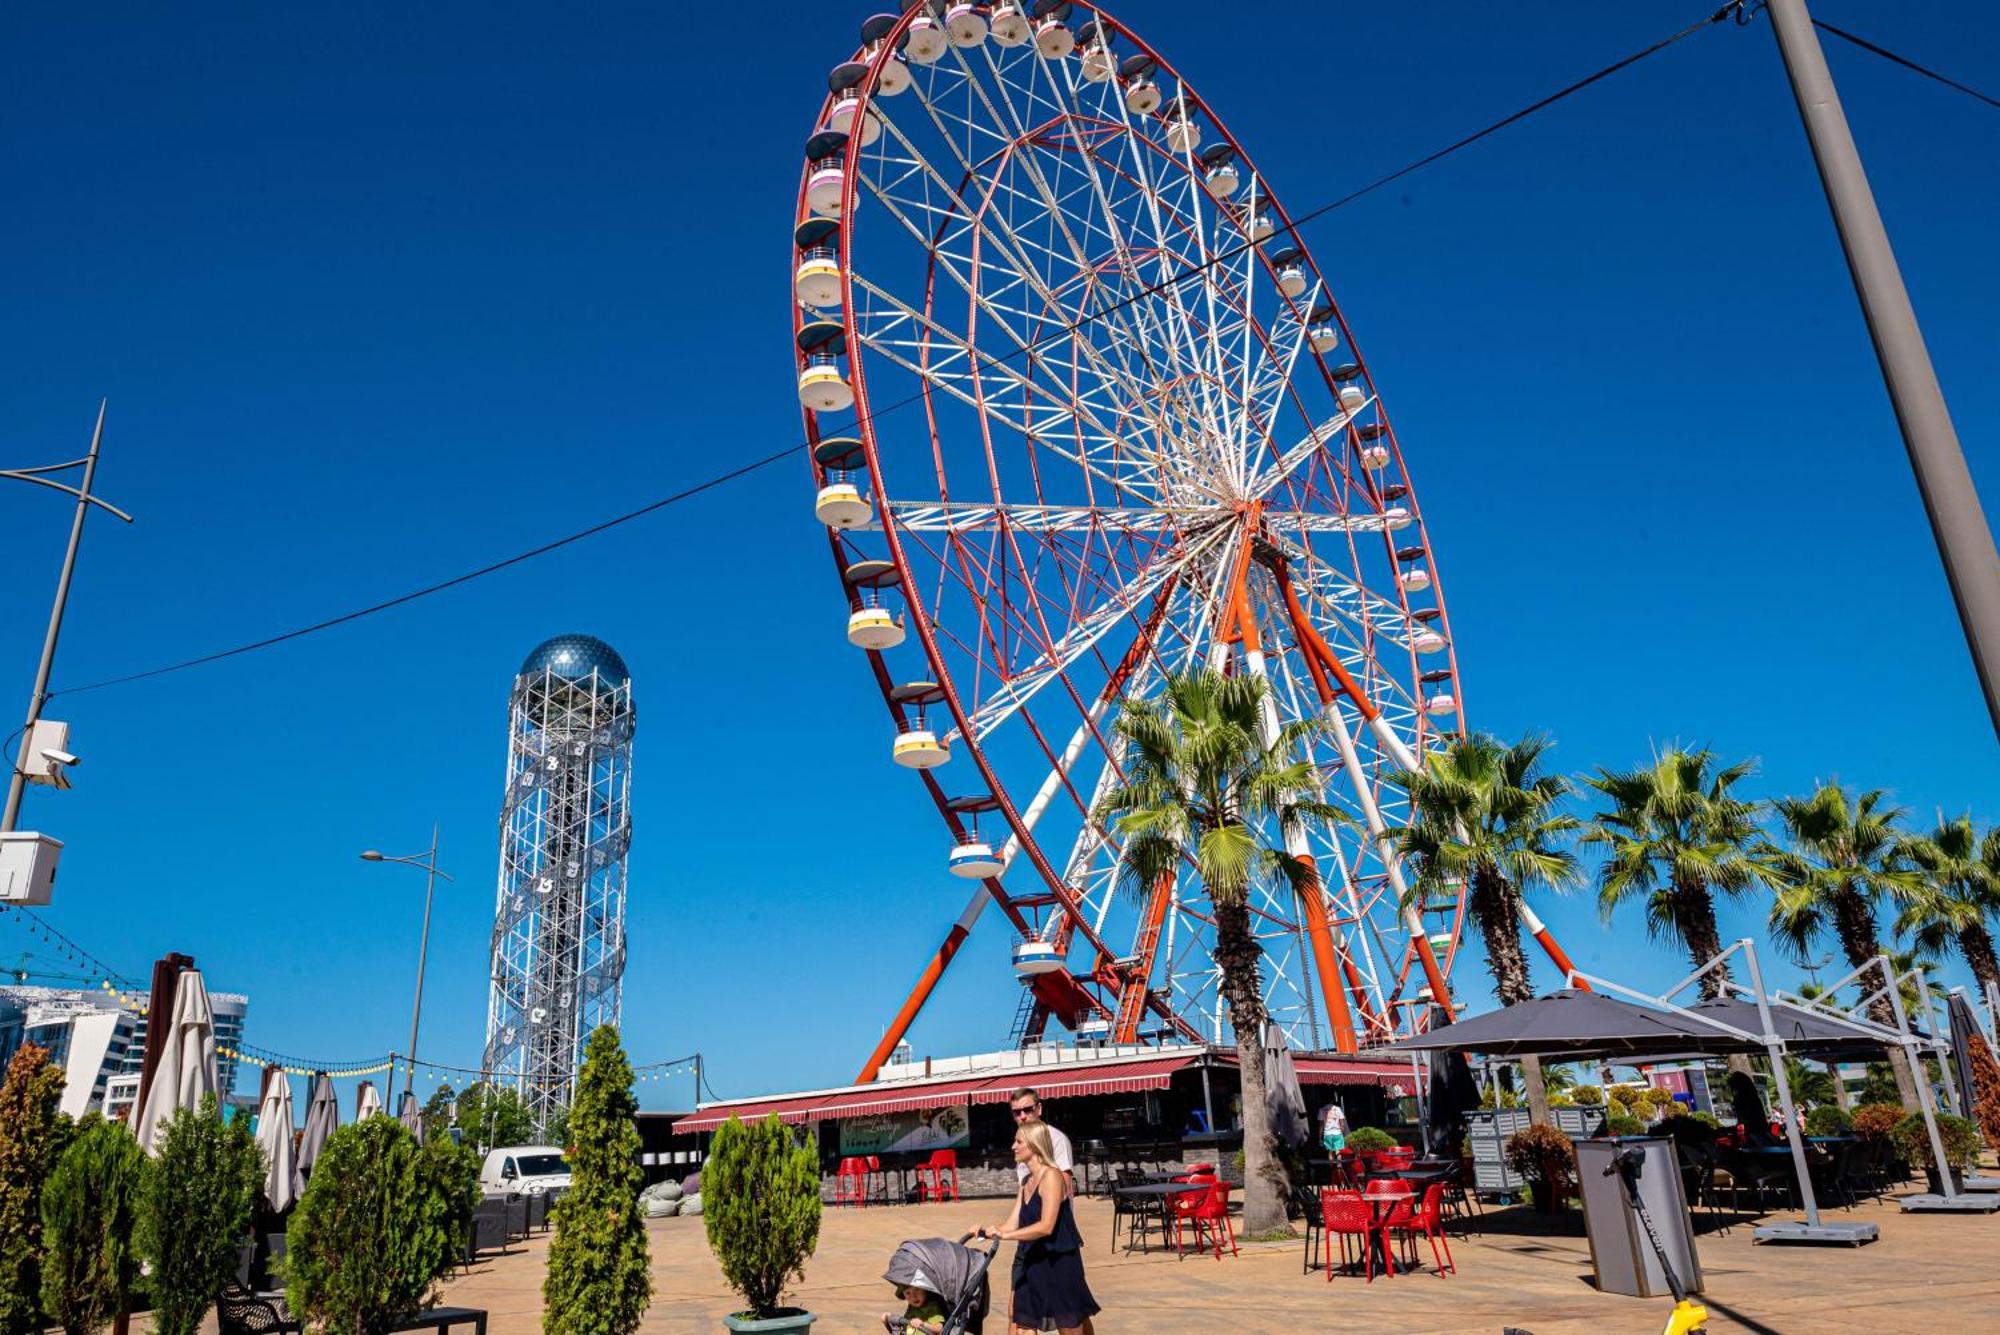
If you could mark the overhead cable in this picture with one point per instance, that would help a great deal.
(1066, 331)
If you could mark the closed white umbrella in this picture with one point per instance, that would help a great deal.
(367, 1102)
(186, 1065)
(274, 1138)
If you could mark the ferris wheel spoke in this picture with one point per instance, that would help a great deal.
(1319, 438)
(1020, 392)
(966, 517)
(994, 224)
(1083, 635)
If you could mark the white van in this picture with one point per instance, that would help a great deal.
(529, 1169)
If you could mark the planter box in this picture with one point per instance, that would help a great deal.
(784, 1324)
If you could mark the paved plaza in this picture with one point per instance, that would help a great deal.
(1927, 1273)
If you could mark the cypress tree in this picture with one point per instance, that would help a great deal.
(382, 1220)
(30, 1132)
(598, 1280)
(194, 1212)
(89, 1212)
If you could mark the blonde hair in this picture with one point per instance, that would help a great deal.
(1036, 1134)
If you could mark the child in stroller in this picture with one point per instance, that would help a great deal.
(952, 1273)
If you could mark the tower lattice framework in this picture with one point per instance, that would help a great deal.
(565, 824)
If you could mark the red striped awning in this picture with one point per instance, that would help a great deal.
(835, 1103)
(1124, 1078)
(1340, 1071)
(1051, 1083)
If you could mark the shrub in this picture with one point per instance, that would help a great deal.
(1827, 1120)
(1544, 1154)
(380, 1222)
(1589, 1096)
(1960, 1137)
(598, 1282)
(1370, 1138)
(1876, 1120)
(1694, 1128)
(89, 1211)
(194, 1209)
(760, 1206)
(30, 1130)
(1561, 1101)
(1625, 1126)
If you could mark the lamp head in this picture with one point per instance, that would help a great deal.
(371, 855)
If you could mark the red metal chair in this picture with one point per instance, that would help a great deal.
(937, 1176)
(1346, 1215)
(850, 1182)
(1208, 1212)
(1428, 1220)
(876, 1179)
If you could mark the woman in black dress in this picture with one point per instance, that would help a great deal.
(1049, 1289)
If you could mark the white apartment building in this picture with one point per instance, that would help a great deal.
(100, 1041)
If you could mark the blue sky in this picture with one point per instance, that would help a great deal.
(379, 295)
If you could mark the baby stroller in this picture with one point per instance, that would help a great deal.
(951, 1270)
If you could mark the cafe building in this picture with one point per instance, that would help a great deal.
(1145, 1108)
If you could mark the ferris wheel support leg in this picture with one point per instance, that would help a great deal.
(1139, 982)
(1326, 956)
(1317, 648)
(928, 980)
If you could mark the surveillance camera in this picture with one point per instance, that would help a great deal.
(61, 757)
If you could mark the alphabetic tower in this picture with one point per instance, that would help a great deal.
(565, 825)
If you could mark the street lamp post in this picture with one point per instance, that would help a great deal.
(18, 777)
(428, 861)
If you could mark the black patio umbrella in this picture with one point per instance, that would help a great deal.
(1964, 1033)
(1572, 1025)
(1804, 1032)
(1453, 1095)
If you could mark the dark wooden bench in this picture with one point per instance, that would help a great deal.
(442, 1319)
(241, 1312)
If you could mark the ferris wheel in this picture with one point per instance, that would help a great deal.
(1083, 413)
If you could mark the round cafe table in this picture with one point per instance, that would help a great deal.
(1382, 1201)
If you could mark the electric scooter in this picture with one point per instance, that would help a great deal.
(1688, 1316)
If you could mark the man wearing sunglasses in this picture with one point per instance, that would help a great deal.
(1026, 1107)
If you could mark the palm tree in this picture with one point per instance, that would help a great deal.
(1202, 790)
(1484, 815)
(1676, 833)
(1959, 894)
(1843, 856)
(1811, 1086)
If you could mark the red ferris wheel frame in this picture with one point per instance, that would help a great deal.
(1120, 996)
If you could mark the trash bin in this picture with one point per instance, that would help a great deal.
(1619, 1249)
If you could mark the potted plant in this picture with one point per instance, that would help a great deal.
(1547, 1158)
(761, 1208)
(381, 1222)
(1961, 1144)
(1827, 1120)
(1370, 1138)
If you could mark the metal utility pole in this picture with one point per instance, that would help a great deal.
(1964, 541)
(431, 873)
(17, 779)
